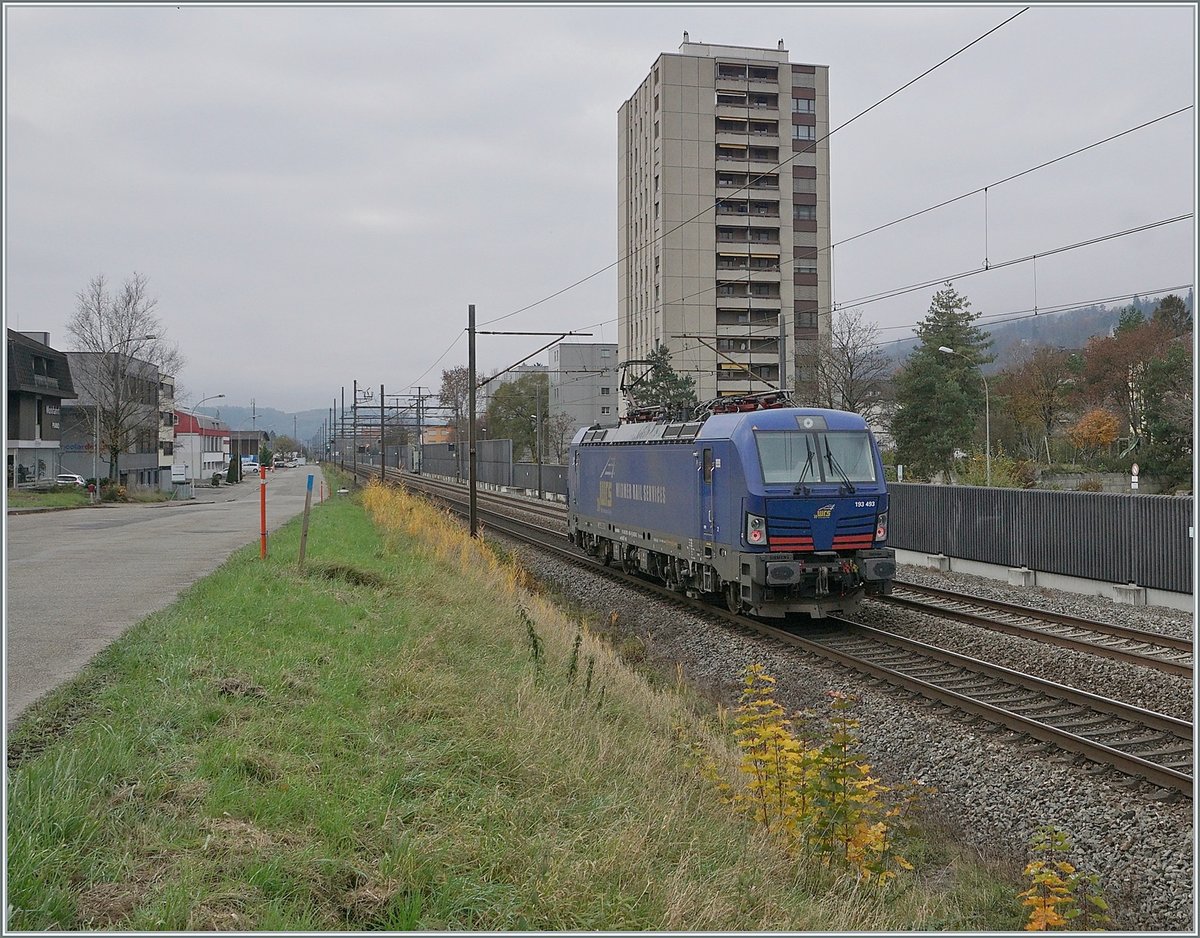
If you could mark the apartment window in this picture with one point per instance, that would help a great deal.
(656, 184)
(606, 353)
(656, 102)
(605, 392)
(656, 210)
(804, 106)
(804, 212)
(605, 411)
(804, 132)
(656, 130)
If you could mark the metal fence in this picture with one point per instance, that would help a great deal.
(493, 461)
(554, 478)
(1142, 539)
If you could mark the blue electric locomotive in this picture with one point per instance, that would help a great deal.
(779, 510)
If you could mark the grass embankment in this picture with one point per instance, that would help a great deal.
(398, 737)
(56, 498)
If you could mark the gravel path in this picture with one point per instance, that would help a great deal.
(993, 791)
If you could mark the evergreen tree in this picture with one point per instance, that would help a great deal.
(662, 386)
(1131, 318)
(1168, 412)
(1174, 315)
(940, 397)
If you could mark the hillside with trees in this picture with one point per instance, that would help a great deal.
(1081, 392)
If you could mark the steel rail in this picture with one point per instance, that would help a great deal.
(1046, 615)
(1033, 633)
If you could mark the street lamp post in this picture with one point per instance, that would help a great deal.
(96, 451)
(987, 412)
(211, 397)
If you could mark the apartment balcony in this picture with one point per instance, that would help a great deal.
(740, 111)
(735, 316)
(748, 209)
(741, 348)
(741, 264)
(731, 295)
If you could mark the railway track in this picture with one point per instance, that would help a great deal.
(1108, 640)
(1137, 742)
(1166, 653)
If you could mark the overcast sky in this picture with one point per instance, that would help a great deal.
(317, 194)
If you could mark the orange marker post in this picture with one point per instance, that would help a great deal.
(262, 509)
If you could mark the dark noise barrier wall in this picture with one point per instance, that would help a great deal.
(1142, 539)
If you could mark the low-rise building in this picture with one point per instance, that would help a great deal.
(166, 428)
(38, 380)
(584, 385)
(202, 445)
(137, 413)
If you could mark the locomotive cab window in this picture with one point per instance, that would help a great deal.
(791, 456)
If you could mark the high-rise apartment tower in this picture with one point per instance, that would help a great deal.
(723, 218)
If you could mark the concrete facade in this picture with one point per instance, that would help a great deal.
(138, 382)
(202, 445)
(732, 137)
(584, 386)
(166, 429)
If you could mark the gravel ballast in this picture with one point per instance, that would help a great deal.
(993, 790)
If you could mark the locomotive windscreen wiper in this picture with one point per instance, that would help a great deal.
(833, 464)
(800, 486)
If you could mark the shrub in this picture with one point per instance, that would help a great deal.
(1060, 896)
(812, 794)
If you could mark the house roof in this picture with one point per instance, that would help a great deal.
(187, 422)
(37, 368)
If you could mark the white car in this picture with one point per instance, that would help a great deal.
(249, 469)
(70, 478)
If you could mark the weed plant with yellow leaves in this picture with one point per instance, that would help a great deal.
(1060, 897)
(817, 796)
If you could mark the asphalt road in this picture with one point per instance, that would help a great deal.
(76, 580)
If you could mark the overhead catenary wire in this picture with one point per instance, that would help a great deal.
(811, 147)
(987, 266)
(900, 291)
(999, 182)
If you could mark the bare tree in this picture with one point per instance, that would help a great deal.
(557, 429)
(128, 352)
(455, 397)
(851, 368)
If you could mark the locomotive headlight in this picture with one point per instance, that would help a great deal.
(881, 527)
(756, 529)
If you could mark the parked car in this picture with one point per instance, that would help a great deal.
(70, 478)
(249, 469)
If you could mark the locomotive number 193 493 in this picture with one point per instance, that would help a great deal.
(869, 503)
